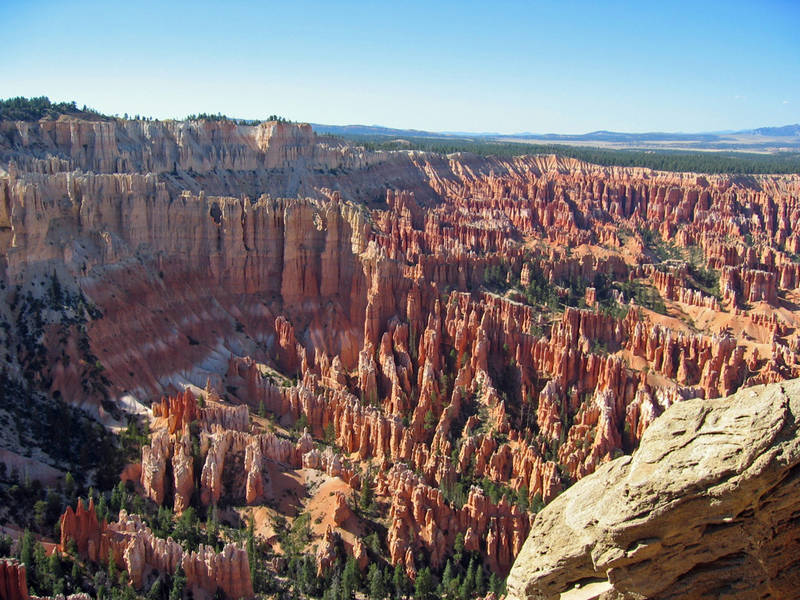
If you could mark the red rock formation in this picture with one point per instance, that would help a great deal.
(82, 527)
(13, 581)
(411, 341)
(326, 552)
(341, 511)
(139, 552)
(419, 508)
(181, 410)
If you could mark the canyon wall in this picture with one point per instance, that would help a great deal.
(480, 332)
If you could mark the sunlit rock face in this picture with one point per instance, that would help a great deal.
(705, 507)
(479, 332)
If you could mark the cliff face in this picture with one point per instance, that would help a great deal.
(166, 147)
(469, 335)
(706, 507)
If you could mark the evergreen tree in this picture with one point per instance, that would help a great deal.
(251, 547)
(350, 578)
(119, 497)
(40, 573)
(377, 583)
(468, 585)
(400, 581)
(155, 592)
(458, 548)
(212, 527)
(102, 509)
(178, 583)
(40, 514)
(424, 586)
(449, 581)
(494, 584)
(480, 581)
(26, 549)
(187, 530)
(69, 487)
(366, 500)
(54, 565)
(112, 566)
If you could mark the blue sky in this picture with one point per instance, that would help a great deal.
(564, 67)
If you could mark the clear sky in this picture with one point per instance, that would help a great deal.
(563, 67)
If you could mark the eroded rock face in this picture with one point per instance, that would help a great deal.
(705, 508)
(134, 548)
(236, 258)
(13, 580)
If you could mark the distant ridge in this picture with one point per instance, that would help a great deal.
(762, 139)
(785, 131)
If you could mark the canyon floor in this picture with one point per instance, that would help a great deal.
(248, 360)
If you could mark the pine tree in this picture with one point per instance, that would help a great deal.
(480, 581)
(366, 498)
(119, 497)
(178, 583)
(40, 571)
(423, 586)
(212, 527)
(350, 578)
(155, 592)
(69, 487)
(458, 547)
(112, 566)
(494, 583)
(26, 549)
(377, 584)
(250, 546)
(468, 585)
(399, 581)
(449, 582)
(102, 509)
(54, 565)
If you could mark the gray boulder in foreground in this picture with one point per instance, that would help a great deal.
(707, 507)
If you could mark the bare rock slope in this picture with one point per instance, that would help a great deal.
(707, 507)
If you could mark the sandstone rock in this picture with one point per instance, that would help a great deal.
(341, 511)
(705, 506)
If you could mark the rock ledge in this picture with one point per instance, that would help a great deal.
(707, 507)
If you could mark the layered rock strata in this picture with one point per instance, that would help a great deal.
(415, 310)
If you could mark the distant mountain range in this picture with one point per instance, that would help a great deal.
(785, 131)
(762, 139)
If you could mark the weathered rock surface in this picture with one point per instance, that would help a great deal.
(135, 549)
(409, 326)
(13, 580)
(705, 508)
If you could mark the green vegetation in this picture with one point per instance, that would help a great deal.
(664, 160)
(660, 249)
(33, 109)
(221, 117)
(706, 280)
(643, 294)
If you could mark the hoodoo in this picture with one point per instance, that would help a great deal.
(269, 354)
